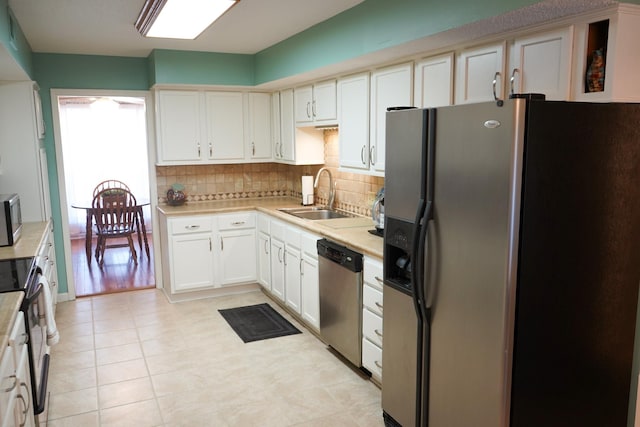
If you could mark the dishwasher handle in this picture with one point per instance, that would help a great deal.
(339, 254)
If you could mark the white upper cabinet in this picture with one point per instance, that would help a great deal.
(480, 74)
(353, 121)
(225, 126)
(541, 63)
(295, 146)
(200, 127)
(316, 104)
(179, 133)
(434, 82)
(615, 34)
(275, 126)
(259, 141)
(390, 87)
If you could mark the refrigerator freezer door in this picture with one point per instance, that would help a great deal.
(406, 135)
(471, 260)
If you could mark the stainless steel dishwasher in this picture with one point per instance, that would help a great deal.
(340, 272)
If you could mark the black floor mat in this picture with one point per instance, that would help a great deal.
(257, 322)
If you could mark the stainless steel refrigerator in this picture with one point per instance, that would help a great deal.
(511, 265)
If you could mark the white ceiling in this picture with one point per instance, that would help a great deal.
(105, 27)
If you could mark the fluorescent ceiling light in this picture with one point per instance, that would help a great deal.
(179, 19)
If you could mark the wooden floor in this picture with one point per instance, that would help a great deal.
(119, 273)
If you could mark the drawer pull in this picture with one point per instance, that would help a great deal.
(238, 223)
(379, 280)
(378, 333)
(377, 364)
(378, 305)
(191, 227)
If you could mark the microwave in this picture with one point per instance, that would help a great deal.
(10, 219)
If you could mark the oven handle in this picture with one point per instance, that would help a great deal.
(34, 296)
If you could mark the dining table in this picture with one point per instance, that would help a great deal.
(141, 230)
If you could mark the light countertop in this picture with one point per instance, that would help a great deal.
(351, 232)
(33, 233)
(9, 307)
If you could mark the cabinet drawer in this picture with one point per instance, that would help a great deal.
(263, 223)
(190, 224)
(237, 220)
(372, 358)
(309, 242)
(18, 338)
(373, 272)
(372, 299)
(372, 327)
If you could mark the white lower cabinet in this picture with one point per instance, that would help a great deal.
(15, 382)
(191, 253)
(292, 268)
(237, 256)
(209, 251)
(277, 259)
(372, 306)
(309, 280)
(264, 251)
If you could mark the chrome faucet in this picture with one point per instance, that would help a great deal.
(332, 186)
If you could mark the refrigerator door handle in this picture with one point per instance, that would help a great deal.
(416, 251)
(424, 237)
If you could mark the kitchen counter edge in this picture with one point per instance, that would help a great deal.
(356, 238)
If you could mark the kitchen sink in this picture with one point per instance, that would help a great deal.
(315, 213)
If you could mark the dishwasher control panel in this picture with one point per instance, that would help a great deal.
(340, 254)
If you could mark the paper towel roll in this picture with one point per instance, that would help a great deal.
(307, 190)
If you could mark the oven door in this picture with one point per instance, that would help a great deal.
(37, 345)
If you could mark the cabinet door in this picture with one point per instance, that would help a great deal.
(191, 262)
(179, 126)
(237, 256)
(353, 121)
(287, 128)
(303, 101)
(225, 126)
(264, 260)
(542, 64)
(275, 126)
(323, 106)
(390, 87)
(260, 126)
(434, 82)
(277, 268)
(310, 291)
(476, 70)
(292, 279)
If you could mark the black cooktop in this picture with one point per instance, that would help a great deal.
(15, 274)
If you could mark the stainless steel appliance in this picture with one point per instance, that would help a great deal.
(23, 275)
(512, 236)
(10, 219)
(340, 275)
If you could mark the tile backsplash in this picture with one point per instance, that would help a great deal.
(354, 192)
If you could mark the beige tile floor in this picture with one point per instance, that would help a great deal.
(134, 359)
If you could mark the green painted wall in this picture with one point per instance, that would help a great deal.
(18, 47)
(181, 67)
(369, 27)
(79, 72)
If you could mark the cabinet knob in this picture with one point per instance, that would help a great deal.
(379, 305)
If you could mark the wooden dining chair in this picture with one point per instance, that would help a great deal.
(110, 184)
(115, 213)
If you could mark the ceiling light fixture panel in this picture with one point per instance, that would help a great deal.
(179, 19)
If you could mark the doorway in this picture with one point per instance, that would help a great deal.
(103, 136)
